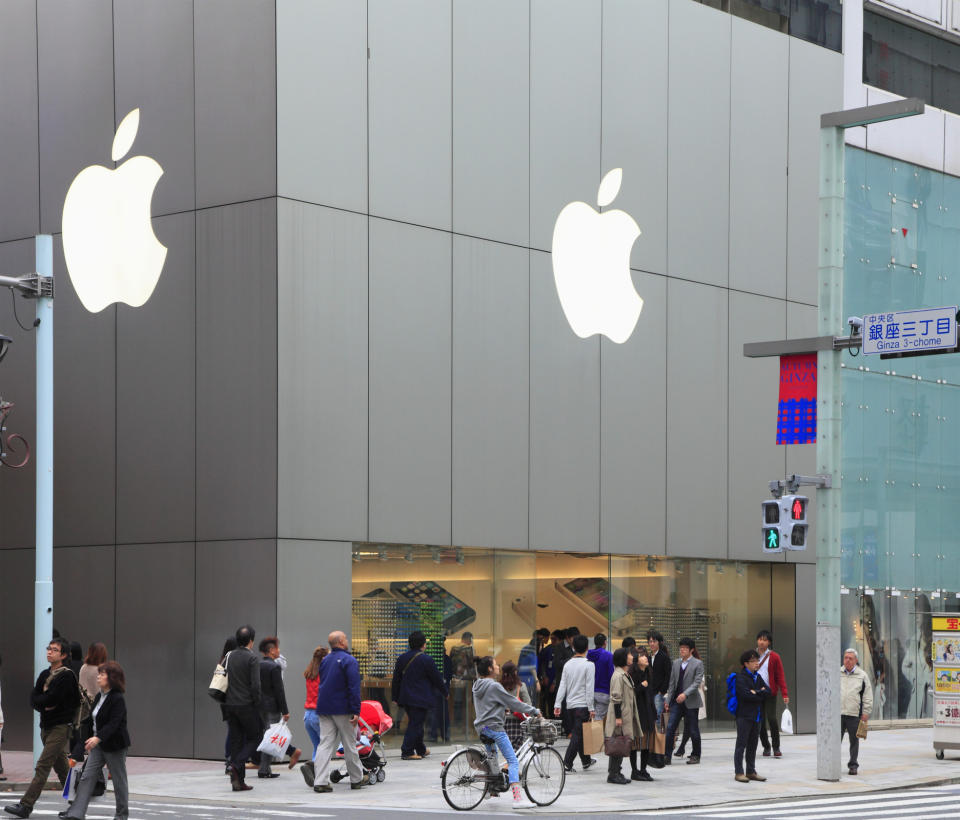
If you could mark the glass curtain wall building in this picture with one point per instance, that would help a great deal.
(901, 455)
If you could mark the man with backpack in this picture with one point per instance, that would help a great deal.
(56, 696)
(747, 705)
(856, 703)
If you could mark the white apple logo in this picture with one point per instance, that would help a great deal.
(111, 250)
(591, 265)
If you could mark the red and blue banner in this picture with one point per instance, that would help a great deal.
(797, 411)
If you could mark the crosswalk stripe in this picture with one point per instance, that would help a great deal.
(799, 804)
(839, 815)
(802, 809)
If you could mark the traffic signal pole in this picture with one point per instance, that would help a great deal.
(829, 346)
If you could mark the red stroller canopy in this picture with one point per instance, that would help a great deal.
(371, 712)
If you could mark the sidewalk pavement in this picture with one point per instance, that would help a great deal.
(889, 759)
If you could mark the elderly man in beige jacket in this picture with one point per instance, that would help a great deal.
(856, 703)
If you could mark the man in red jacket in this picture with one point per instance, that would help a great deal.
(771, 670)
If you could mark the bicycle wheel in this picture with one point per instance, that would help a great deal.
(464, 779)
(543, 776)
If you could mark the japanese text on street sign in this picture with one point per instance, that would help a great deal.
(910, 330)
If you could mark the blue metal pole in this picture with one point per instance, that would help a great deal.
(43, 459)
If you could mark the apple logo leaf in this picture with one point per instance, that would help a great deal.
(126, 134)
(609, 187)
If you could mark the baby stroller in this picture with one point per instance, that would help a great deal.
(372, 724)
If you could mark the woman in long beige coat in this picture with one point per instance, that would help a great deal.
(622, 716)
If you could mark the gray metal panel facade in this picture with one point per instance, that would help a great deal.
(76, 111)
(236, 100)
(564, 423)
(758, 159)
(565, 65)
(754, 459)
(491, 120)
(81, 576)
(322, 372)
(814, 90)
(16, 598)
(223, 568)
(155, 595)
(410, 383)
(303, 626)
(84, 408)
(322, 127)
(19, 386)
(635, 104)
(699, 138)
(153, 53)
(697, 445)
(633, 430)
(491, 392)
(156, 397)
(19, 159)
(410, 109)
(236, 309)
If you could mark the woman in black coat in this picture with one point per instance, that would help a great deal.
(107, 745)
(640, 673)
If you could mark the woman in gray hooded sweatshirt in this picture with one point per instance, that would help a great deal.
(490, 702)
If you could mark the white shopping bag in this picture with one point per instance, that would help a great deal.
(786, 722)
(275, 740)
(73, 780)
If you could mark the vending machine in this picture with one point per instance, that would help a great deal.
(945, 651)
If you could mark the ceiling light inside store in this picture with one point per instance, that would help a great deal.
(651, 565)
(408, 554)
(435, 555)
(382, 553)
(356, 557)
(460, 559)
(701, 567)
(739, 566)
(678, 567)
(718, 567)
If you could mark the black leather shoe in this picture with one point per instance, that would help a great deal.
(267, 776)
(63, 813)
(567, 769)
(589, 763)
(767, 752)
(17, 810)
(693, 760)
(617, 778)
(643, 776)
(666, 762)
(851, 770)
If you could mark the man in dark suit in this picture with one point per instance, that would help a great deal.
(273, 700)
(683, 699)
(416, 685)
(242, 706)
(751, 694)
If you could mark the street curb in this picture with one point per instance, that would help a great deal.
(7, 786)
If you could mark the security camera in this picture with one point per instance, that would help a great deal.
(856, 324)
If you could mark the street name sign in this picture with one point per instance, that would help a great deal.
(911, 331)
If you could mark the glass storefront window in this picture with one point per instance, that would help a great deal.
(818, 21)
(474, 602)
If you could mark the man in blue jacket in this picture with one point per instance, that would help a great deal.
(416, 685)
(338, 707)
(751, 692)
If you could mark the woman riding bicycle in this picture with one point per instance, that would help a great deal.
(490, 702)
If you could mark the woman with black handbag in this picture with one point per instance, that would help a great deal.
(621, 726)
(108, 744)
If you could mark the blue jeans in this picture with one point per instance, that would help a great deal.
(506, 749)
(312, 724)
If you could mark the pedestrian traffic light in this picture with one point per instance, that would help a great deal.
(793, 521)
(771, 515)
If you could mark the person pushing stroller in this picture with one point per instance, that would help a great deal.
(491, 702)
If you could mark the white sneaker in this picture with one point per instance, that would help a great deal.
(518, 801)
